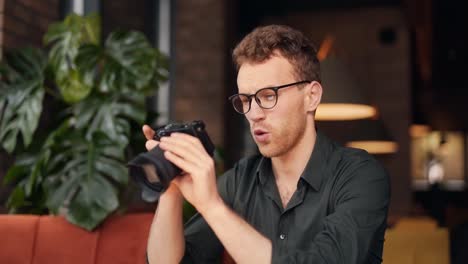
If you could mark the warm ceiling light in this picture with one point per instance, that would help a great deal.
(419, 130)
(342, 98)
(370, 135)
(341, 112)
(374, 146)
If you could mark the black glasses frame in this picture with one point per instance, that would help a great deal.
(250, 96)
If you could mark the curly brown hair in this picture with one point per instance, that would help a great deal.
(266, 41)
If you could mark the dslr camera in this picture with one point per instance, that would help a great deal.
(152, 171)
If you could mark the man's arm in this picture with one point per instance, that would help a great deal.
(198, 186)
(166, 243)
(166, 240)
(240, 239)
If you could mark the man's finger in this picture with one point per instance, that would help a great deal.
(184, 165)
(187, 137)
(150, 144)
(181, 152)
(184, 146)
(183, 149)
(148, 132)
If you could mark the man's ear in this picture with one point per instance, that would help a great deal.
(313, 96)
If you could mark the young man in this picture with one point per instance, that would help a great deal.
(303, 200)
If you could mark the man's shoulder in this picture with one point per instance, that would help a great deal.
(355, 170)
(337, 155)
(354, 160)
(353, 155)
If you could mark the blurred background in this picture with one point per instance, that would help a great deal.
(396, 68)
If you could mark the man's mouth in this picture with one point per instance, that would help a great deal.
(261, 135)
(259, 132)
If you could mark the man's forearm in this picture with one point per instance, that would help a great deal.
(166, 242)
(242, 241)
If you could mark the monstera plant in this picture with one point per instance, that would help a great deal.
(94, 93)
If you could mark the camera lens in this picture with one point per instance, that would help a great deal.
(151, 169)
(150, 173)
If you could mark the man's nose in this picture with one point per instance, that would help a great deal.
(256, 112)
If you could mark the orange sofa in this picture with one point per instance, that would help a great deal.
(32, 239)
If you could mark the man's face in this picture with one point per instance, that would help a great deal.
(278, 130)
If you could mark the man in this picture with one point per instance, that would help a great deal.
(303, 200)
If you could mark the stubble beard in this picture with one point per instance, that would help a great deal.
(284, 141)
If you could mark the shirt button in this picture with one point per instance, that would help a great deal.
(282, 236)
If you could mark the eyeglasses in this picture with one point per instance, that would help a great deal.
(266, 98)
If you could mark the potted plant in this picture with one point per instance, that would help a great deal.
(75, 165)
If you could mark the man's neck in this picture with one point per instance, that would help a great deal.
(289, 167)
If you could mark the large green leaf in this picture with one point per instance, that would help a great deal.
(26, 197)
(21, 95)
(95, 200)
(74, 85)
(110, 115)
(28, 175)
(66, 39)
(22, 64)
(161, 72)
(84, 178)
(130, 62)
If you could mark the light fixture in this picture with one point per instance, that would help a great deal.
(342, 98)
(419, 130)
(420, 125)
(375, 146)
(371, 135)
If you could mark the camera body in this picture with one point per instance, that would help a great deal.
(152, 170)
(195, 128)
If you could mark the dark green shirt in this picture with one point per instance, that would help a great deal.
(337, 214)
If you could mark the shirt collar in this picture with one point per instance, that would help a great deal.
(315, 169)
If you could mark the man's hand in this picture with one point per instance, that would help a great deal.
(198, 184)
(172, 190)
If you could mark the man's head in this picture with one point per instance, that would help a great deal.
(272, 57)
(265, 42)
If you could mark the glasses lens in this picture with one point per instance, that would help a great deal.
(240, 103)
(266, 98)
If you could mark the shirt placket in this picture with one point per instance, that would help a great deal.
(282, 236)
(285, 221)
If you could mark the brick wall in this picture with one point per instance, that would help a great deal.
(24, 22)
(199, 84)
(128, 15)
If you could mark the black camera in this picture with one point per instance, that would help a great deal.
(152, 171)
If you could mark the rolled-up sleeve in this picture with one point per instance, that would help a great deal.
(354, 231)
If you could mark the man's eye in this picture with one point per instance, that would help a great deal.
(269, 97)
